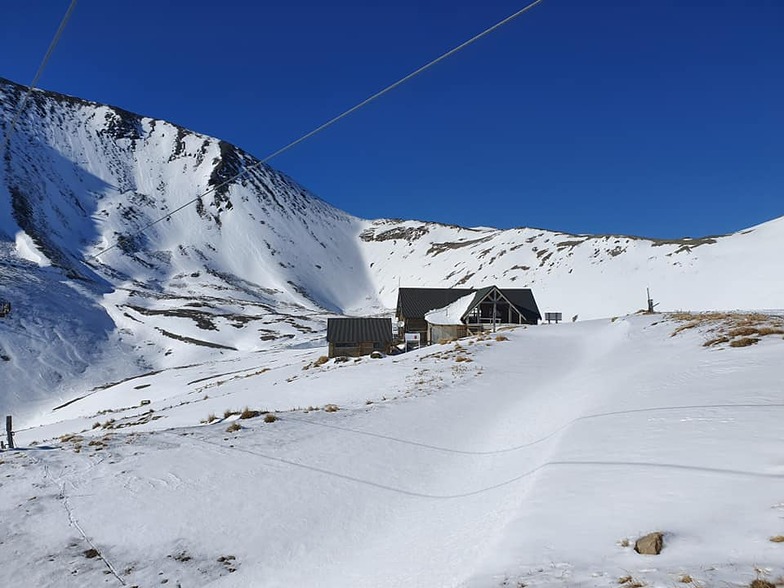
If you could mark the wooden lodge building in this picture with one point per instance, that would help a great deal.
(450, 313)
(354, 337)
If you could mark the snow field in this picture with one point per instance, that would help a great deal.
(531, 463)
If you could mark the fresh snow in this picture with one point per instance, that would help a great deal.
(262, 264)
(533, 463)
(451, 313)
(531, 458)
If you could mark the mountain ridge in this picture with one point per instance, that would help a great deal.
(260, 262)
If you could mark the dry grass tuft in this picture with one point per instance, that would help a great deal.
(686, 579)
(716, 341)
(463, 358)
(501, 338)
(744, 342)
(249, 414)
(270, 418)
(235, 426)
(331, 408)
(777, 539)
(321, 361)
(630, 582)
(760, 583)
(228, 413)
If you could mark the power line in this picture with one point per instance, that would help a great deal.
(41, 67)
(324, 126)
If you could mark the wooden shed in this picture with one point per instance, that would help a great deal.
(355, 337)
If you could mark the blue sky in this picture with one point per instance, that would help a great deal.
(661, 119)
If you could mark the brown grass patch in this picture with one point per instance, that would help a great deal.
(463, 358)
(777, 539)
(331, 408)
(760, 583)
(71, 437)
(734, 328)
(321, 361)
(235, 426)
(630, 582)
(249, 414)
(744, 342)
(716, 341)
(501, 338)
(270, 418)
(686, 579)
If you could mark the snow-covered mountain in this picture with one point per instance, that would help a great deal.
(260, 262)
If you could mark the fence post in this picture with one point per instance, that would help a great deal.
(9, 431)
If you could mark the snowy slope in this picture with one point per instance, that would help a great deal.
(260, 263)
(535, 463)
(584, 275)
(257, 264)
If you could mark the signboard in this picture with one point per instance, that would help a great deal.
(412, 341)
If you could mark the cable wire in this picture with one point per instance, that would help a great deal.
(41, 67)
(322, 127)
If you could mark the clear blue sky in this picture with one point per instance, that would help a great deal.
(661, 119)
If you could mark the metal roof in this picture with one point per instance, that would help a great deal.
(416, 302)
(524, 301)
(359, 330)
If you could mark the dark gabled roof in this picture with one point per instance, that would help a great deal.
(416, 302)
(521, 298)
(359, 330)
(524, 301)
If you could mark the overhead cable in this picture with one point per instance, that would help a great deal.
(324, 126)
(41, 67)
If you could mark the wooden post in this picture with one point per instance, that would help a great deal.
(9, 431)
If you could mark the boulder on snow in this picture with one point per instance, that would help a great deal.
(650, 544)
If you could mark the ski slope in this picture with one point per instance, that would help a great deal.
(528, 458)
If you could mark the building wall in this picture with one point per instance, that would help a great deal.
(446, 332)
(416, 326)
(357, 350)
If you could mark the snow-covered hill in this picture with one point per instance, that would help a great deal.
(535, 457)
(260, 263)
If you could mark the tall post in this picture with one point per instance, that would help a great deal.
(9, 431)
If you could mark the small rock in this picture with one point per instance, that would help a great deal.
(650, 544)
(91, 553)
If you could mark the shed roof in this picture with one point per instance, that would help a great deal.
(359, 330)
